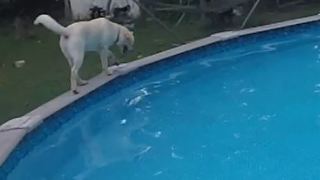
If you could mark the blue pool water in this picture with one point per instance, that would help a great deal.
(245, 109)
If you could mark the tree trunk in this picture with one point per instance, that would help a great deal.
(203, 8)
(67, 10)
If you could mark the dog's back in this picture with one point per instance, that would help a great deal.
(93, 33)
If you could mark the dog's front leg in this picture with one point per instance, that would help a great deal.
(113, 58)
(104, 54)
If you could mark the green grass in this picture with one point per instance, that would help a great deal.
(292, 12)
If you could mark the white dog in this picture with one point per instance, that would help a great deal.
(95, 35)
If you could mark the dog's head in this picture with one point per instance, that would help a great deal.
(126, 40)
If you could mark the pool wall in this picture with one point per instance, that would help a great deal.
(12, 132)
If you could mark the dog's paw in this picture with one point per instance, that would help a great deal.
(108, 73)
(75, 92)
(82, 83)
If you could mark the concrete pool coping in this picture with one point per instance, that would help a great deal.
(12, 132)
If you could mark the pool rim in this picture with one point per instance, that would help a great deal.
(13, 131)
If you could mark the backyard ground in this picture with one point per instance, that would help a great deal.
(46, 73)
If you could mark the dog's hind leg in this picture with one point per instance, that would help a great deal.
(75, 60)
(65, 51)
(75, 80)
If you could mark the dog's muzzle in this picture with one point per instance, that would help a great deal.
(127, 50)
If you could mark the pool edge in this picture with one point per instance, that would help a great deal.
(12, 132)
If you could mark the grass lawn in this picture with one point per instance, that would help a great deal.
(46, 73)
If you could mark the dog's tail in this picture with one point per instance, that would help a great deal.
(50, 24)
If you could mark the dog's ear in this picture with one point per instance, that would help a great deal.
(128, 35)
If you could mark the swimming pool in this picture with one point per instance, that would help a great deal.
(247, 108)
